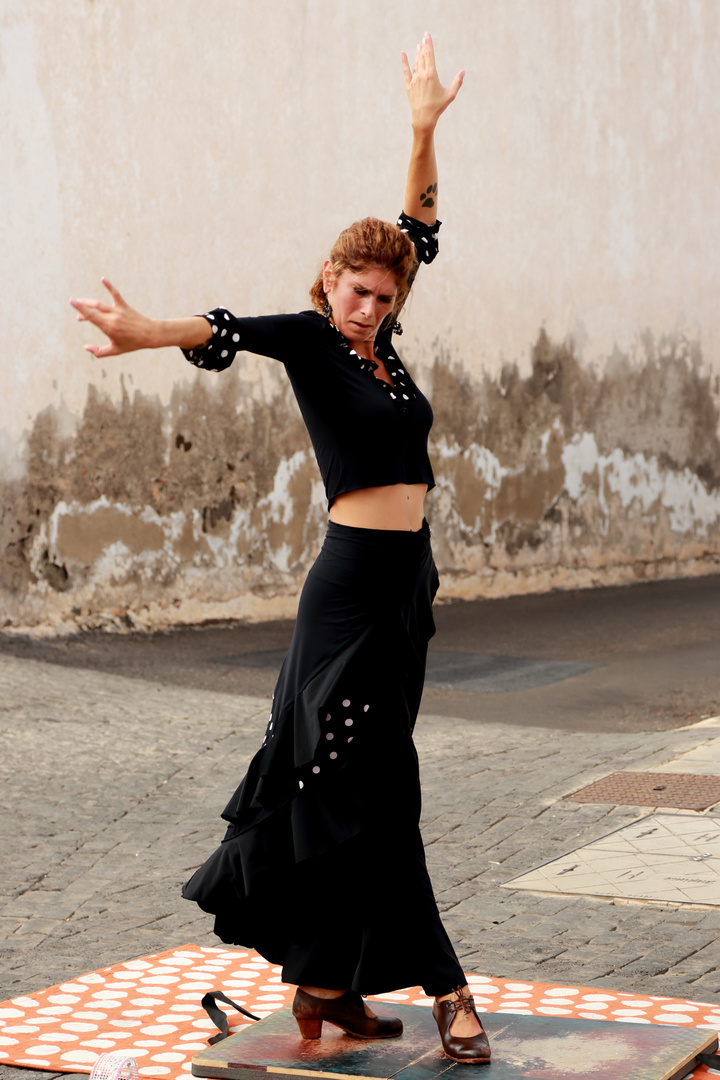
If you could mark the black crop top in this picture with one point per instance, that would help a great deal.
(365, 433)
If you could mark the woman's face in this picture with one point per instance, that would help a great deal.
(359, 302)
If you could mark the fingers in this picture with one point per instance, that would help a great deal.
(99, 351)
(426, 54)
(96, 312)
(113, 292)
(86, 307)
(124, 328)
(92, 305)
(79, 305)
(424, 57)
(89, 310)
(455, 85)
(406, 69)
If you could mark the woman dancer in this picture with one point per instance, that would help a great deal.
(322, 868)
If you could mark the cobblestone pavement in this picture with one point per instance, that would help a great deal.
(111, 794)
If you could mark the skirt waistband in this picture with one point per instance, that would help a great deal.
(388, 536)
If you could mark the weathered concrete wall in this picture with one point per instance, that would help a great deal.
(569, 334)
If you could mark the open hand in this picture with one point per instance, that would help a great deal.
(125, 328)
(427, 96)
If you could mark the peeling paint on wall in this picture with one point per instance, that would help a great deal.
(214, 507)
(570, 477)
(215, 500)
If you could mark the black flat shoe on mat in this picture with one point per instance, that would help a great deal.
(472, 1049)
(346, 1012)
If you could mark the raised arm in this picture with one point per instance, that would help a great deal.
(428, 101)
(127, 330)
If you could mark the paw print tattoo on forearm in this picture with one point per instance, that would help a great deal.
(426, 198)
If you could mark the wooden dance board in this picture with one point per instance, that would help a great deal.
(538, 1047)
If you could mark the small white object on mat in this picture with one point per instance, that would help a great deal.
(115, 1066)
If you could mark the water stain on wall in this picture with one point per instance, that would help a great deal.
(570, 469)
(663, 405)
(567, 476)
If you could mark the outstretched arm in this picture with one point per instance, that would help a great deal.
(127, 330)
(428, 101)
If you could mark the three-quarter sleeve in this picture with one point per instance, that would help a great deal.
(281, 337)
(424, 237)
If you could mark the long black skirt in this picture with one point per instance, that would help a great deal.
(322, 868)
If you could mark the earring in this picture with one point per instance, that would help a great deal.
(327, 310)
(396, 328)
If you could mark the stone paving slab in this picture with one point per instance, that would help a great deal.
(670, 857)
(111, 790)
(703, 760)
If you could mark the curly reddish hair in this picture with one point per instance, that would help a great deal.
(367, 244)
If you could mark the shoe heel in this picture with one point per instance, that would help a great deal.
(310, 1028)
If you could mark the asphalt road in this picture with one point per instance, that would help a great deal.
(644, 657)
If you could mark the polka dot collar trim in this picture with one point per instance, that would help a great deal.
(403, 392)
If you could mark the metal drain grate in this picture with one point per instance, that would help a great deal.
(678, 790)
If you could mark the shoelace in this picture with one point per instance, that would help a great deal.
(467, 1004)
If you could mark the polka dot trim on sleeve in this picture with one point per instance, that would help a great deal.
(210, 356)
(424, 237)
(150, 1009)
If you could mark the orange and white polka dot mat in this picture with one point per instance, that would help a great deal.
(151, 1008)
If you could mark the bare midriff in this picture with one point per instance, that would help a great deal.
(394, 506)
